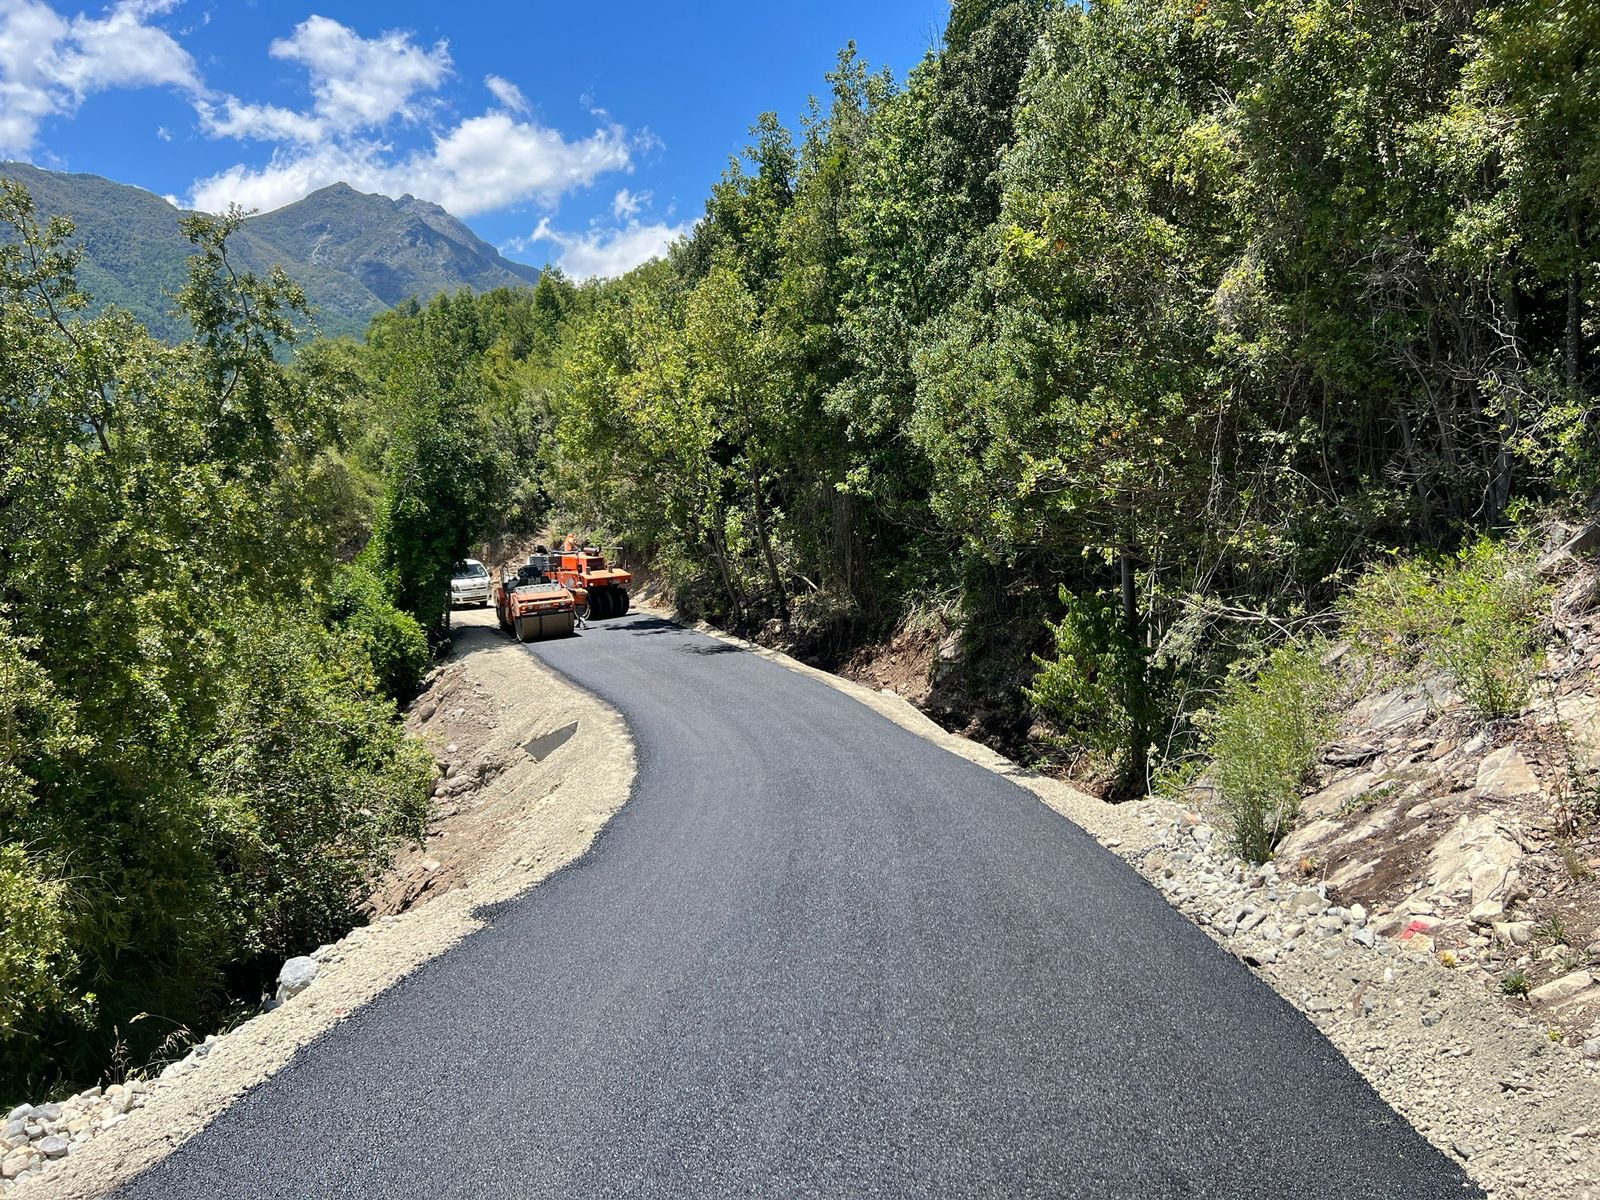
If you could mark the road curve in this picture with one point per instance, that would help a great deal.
(814, 955)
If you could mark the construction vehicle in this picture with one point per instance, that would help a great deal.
(531, 605)
(598, 588)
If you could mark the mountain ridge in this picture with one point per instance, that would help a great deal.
(355, 253)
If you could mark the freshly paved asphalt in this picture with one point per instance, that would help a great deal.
(814, 956)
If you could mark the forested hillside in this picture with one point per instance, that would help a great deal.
(1158, 320)
(1119, 340)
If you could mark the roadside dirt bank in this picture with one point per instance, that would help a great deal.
(537, 767)
(1480, 1080)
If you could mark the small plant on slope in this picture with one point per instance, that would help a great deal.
(1474, 616)
(1264, 738)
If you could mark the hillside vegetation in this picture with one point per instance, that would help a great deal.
(1117, 343)
(200, 767)
(1155, 320)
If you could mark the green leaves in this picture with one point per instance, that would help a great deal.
(194, 769)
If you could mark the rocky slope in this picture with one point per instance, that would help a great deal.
(355, 254)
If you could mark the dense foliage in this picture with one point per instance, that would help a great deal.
(1183, 309)
(200, 766)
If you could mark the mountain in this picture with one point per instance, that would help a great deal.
(355, 254)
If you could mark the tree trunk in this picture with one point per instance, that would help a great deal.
(719, 553)
(773, 575)
(1136, 701)
(1574, 346)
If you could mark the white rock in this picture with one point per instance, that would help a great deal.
(54, 1146)
(1504, 774)
(1477, 860)
(296, 976)
(1486, 912)
(1561, 989)
(1514, 933)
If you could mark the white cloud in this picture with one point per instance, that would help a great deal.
(359, 85)
(626, 204)
(481, 164)
(265, 122)
(605, 253)
(508, 93)
(362, 82)
(50, 65)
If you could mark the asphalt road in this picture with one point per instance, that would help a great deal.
(814, 956)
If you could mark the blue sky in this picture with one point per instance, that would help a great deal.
(586, 134)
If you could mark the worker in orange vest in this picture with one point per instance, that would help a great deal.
(570, 544)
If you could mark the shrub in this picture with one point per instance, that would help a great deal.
(313, 783)
(1264, 738)
(1097, 689)
(393, 640)
(37, 962)
(1474, 616)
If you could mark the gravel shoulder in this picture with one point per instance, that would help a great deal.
(1482, 1081)
(543, 766)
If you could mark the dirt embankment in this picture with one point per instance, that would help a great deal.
(531, 768)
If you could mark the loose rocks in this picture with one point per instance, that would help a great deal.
(296, 976)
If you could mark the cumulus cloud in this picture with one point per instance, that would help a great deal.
(362, 82)
(50, 65)
(356, 84)
(605, 253)
(360, 87)
(481, 164)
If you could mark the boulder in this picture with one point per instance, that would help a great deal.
(296, 976)
(1514, 933)
(1487, 912)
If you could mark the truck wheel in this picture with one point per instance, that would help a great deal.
(622, 603)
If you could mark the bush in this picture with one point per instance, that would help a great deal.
(314, 782)
(37, 963)
(1097, 689)
(393, 640)
(1475, 617)
(1264, 738)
